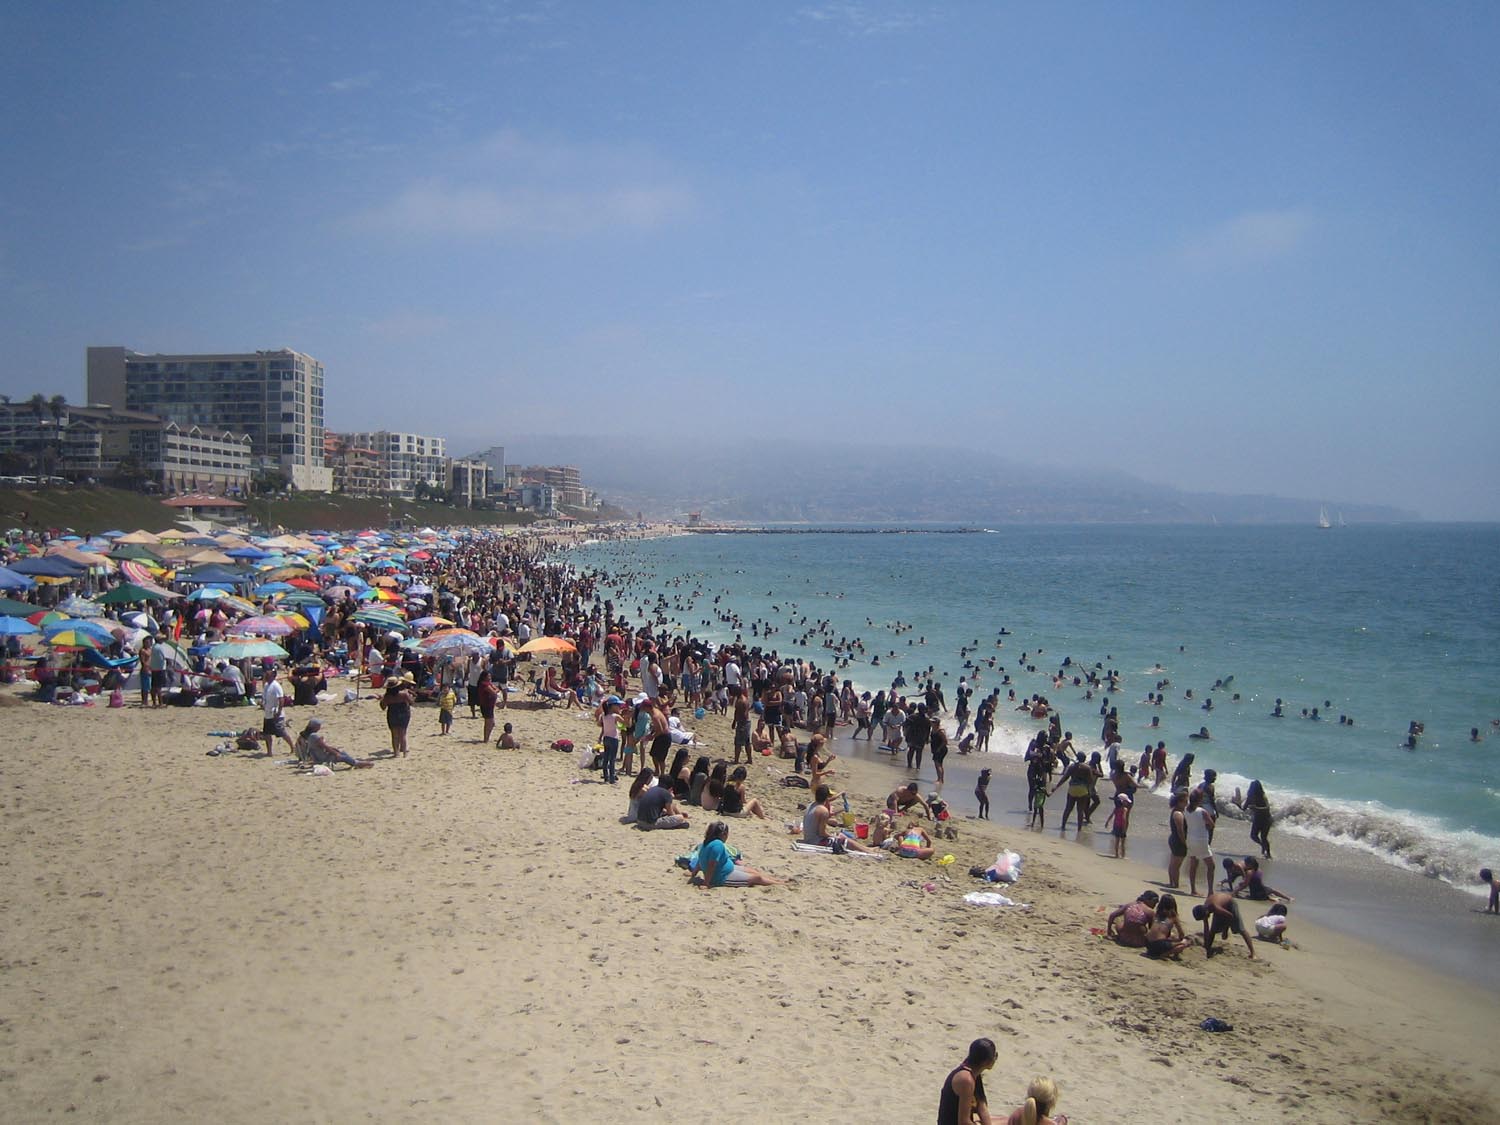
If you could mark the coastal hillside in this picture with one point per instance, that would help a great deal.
(794, 481)
(89, 511)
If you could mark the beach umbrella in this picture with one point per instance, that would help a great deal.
(44, 617)
(76, 640)
(269, 588)
(253, 553)
(548, 646)
(81, 607)
(298, 597)
(419, 588)
(174, 653)
(10, 580)
(303, 584)
(456, 642)
(104, 631)
(236, 605)
(130, 592)
(429, 622)
(111, 534)
(246, 650)
(13, 608)
(332, 569)
(16, 627)
(282, 573)
(382, 618)
(208, 594)
(266, 626)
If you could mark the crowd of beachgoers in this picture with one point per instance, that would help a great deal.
(481, 621)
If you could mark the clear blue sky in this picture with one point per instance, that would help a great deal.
(1243, 247)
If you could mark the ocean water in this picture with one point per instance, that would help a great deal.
(1384, 624)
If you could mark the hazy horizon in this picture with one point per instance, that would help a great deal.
(1227, 249)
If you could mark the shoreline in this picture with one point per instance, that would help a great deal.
(469, 927)
(1374, 895)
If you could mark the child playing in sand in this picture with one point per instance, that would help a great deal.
(446, 702)
(1487, 877)
(508, 739)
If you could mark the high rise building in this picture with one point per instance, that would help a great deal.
(274, 396)
(405, 460)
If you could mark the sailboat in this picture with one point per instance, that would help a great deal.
(1341, 522)
(1323, 518)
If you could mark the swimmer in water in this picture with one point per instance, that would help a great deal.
(1202, 735)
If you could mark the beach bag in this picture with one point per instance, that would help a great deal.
(563, 745)
(117, 698)
(1007, 868)
(248, 739)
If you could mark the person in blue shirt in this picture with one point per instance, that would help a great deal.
(716, 867)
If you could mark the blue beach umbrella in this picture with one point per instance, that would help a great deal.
(10, 580)
(16, 627)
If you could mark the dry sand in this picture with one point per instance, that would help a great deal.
(469, 935)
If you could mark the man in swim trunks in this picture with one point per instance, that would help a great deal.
(903, 800)
(1220, 916)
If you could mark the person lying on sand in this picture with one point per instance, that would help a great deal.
(1255, 886)
(1127, 926)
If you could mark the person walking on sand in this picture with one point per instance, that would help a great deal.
(273, 721)
(1258, 807)
(962, 1100)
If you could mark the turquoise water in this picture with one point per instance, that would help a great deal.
(1386, 624)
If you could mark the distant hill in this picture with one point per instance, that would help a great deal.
(795, 481)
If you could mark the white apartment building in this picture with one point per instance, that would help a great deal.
(276, 397)
(405, 459)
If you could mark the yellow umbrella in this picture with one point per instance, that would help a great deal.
(548, 646)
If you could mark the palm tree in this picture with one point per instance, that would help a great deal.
(57, 404)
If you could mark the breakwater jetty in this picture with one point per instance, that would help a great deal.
(707, 529)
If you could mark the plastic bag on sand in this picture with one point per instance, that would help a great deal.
(992, 898)
(321, 771)
(1007, 868)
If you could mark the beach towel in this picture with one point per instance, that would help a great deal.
(992, 898)
(798, 845)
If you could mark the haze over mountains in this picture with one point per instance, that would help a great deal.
(784, 480)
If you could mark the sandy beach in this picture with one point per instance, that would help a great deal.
(470, 934)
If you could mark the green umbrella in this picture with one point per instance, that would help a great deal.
(12, 608)
(130, 592)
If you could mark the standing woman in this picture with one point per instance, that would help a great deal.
(1176, 839)
(485, 694)
(609, 736)
(877, 713)
(962, 1101)
(1259, 808)
(396, 703)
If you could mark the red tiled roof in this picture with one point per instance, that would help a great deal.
(201, 500)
